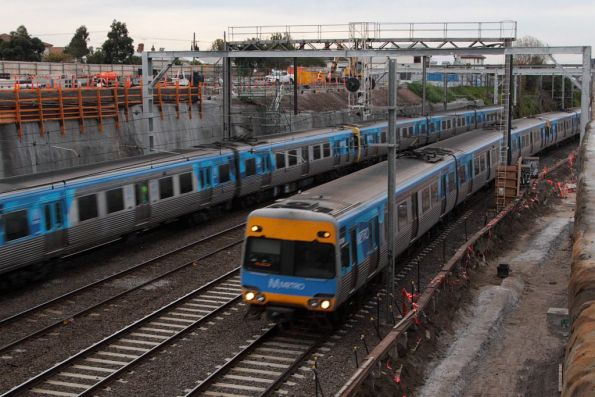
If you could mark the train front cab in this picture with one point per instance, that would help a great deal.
(289, 262)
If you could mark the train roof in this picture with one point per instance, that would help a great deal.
(367, 185)
(84, 171)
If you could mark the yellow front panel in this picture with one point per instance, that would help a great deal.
(290, 229)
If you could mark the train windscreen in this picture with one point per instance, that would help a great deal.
(290, 258)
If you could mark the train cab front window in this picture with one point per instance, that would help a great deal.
(290, 258)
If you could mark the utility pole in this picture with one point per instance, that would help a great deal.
(392, 182)
(424, 76)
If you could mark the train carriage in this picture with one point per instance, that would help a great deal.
(313, 251)
(60, 213)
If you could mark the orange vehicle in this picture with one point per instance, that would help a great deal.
(105, 79)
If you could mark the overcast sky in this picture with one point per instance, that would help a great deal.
(170, 24)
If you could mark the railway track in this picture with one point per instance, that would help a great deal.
(51, 312)
(103, 362)
(263, 365)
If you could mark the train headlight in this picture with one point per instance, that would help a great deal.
(249, 296)
(256, 228)
(313, 303)
(260, 298)
(325, 304)
(323, 234)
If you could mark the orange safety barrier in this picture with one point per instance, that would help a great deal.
(40, 105)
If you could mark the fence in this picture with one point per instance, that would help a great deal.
(39, 105)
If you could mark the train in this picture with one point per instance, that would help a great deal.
(51, 215)
(313, 251)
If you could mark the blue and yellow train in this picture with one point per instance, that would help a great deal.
(51, 215)
(316, 249)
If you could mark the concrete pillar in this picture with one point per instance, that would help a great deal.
(147, 68)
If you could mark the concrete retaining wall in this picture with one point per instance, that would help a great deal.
(579, 365)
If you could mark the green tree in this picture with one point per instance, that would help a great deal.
(78, 44)
(21, 47)
(96, 56)
(118, 47)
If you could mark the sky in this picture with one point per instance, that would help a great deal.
(171, 25)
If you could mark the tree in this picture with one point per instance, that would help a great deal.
(96, 56)
(78, 44)
(21, 47)
(118, 47)
(527, 59)
(59, 57)
(218, 45)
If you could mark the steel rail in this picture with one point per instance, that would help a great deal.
(23, 387)
(11, 318)
(88, 309)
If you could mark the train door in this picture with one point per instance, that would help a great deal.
(414, 216)
(53, 217)
(531, 137)
(353, 235)
(206, 183)
(443, 193)
(374, 252)
(488, 165)
(337, 153)
(468, 170)
(142, 212)
(306, 160)
(265, 162)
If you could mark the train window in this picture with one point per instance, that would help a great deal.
(314, 259)
(292, 157)
(223, 173)
(280, 159)
(425, 199)
(448, 124)
(462, 176)
(250, 167)
(59, 215)
(166, 187)
(402, 215)
(316, 152)
(345, 262)
(423, 128)
(326, 150)
(16, 225)
(185, 182)
(87, 207)
(410, 131)
(443, 124)
(141, 191)
(115, 200)
(476, 162)
(482, 163)
(383, 137)
(432, 127)
(451, 182)
(263, 255)
(434, 193)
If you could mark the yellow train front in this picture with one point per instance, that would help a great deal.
(290, 261)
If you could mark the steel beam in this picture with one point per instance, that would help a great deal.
(392, 52)
(424, 82)
(585, 92)
(392, 181)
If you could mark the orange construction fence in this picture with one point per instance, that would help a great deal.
(38, 105)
